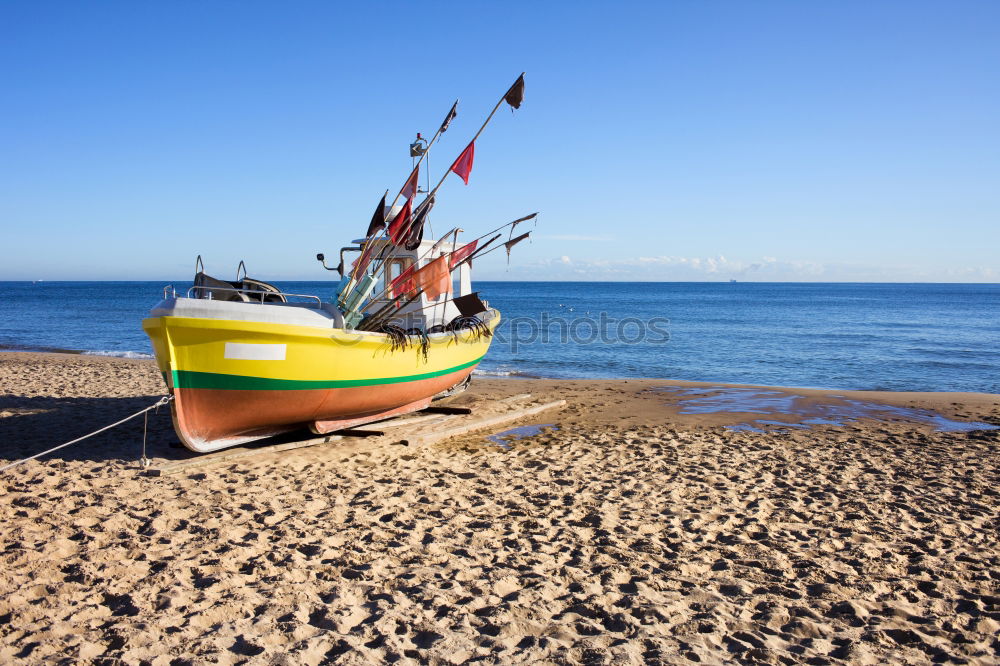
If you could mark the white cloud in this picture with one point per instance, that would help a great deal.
(668, 268)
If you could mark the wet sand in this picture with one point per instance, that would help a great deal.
(638, 528)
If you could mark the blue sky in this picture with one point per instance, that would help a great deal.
(831, 141)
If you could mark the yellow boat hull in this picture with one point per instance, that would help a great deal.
(238, 381)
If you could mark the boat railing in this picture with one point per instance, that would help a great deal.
(246, 292)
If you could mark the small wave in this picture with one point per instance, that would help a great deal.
(495, 373)
(36, 348)
(503, 372)
(955, 365)
(119, 354)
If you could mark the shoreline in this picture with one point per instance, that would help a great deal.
(13, 349)
(636, 528)
(805, 390)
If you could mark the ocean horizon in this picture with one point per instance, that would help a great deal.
(843, 335)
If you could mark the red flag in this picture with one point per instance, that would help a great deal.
(361, 263)
(463, 253)
(400, 224)
(463, 165)
(434, 278)
(410, 186)
(403, 283)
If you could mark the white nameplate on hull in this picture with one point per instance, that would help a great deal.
(242, 351)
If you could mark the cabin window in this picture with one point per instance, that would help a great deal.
(394, 269)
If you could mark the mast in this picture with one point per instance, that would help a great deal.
(485, 123)
(441, 130)
(507, 97)
(354, 299)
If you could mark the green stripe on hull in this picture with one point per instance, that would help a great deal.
(187, 379)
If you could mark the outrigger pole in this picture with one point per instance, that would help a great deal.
(420, 290)
(478, 250)
(379, 316)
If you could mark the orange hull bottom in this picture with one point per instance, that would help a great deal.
(210, 419)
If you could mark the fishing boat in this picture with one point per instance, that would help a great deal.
(244, 360)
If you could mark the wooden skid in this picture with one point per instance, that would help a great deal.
(348, 442)
(448, 410)
(482, 424)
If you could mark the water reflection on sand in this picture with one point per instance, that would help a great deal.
(804, 412)
(504, 438)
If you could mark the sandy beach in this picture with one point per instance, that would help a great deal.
(637, 527)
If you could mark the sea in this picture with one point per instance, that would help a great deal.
(899, 337)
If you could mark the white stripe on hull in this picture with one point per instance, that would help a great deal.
(242, 351)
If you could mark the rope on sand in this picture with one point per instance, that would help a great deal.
(159, 403)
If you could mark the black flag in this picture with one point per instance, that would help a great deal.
(515, 95)
(514, 241)
(378, 218)
(450, 117)
(513, 225)
(415, 234)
